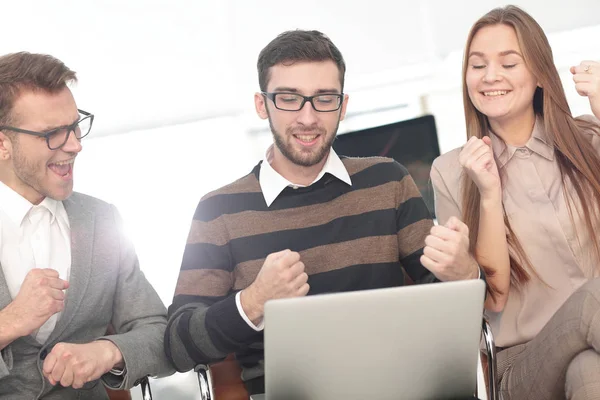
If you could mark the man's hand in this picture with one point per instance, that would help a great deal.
(76, 364)
(446, 253)
(282, 275)
(41, 296)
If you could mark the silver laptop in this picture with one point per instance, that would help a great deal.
(413, 342)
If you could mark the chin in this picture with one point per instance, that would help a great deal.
(493, 113)
(60, 195)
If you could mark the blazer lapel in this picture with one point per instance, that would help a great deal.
(81, 224)
(5, 298)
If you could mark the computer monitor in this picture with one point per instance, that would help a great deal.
(413, 143)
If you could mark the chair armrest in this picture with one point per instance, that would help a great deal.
(145, 386)
(205, 382)
(490, 348)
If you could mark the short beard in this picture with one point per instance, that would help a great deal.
(288, 152)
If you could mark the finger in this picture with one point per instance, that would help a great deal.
(58, 283)
(430, 264)
(303, 291)
(444, 233)
(297, 269)
(435, 255)
(59, 305)
(300, 280)
(78, 382)
(477, 155)
(277, 255)
(484, 161)
(468, 151)
(487, 140)
(56, 294)
(583, 66)
(49, 363)
(289, 259)
(67, 377)
(59, 368)
(82, 373)
(471, 144)
(457, 225)
(584, 89)
(593, 64)
(436, 243)
(470, 158)
(577, 78)
(49, 272)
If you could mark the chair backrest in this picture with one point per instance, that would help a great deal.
(118, 394)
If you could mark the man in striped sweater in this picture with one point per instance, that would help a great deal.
(304, 221)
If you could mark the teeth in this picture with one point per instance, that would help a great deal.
(495, 93)
(306, 138)
(64, 162)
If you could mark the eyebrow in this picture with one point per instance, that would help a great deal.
(294, 90)
(52, 128)
(502, 53)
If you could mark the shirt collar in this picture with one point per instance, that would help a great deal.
(272, 183)
(538, 143)
(16, 207)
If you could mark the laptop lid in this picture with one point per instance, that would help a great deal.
(413, 342)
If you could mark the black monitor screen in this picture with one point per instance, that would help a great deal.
(412, 143)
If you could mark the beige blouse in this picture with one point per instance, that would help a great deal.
(538, 213)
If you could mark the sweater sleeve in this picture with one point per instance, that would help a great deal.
(204, 322)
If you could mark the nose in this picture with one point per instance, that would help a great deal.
(307, 114)
(491, 74)
(72, 145)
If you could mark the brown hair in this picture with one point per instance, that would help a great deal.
(298, 45)
(27, 71)
(577, 161)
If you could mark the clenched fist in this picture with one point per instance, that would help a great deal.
(282, 275)
(446, 253)
(76, 364)
(41, 296)
(477, 159)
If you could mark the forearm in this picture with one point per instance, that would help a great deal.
(492, 250)
(201, 334)
(8, 330)
(251, 306)
(139, 352)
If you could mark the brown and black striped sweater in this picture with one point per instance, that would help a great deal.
(349, 238)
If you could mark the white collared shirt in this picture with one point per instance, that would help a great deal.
(33, 236)
(272, 184)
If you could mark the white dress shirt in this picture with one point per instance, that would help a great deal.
(272, 184)
(33, 236)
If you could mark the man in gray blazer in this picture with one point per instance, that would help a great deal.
(67, 271)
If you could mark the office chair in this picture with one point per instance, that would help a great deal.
(126, 394)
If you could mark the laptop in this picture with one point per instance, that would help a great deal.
(412, 342)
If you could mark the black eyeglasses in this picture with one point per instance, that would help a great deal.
(295, 101)
(56, 138)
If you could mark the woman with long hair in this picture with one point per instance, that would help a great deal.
(527, 185)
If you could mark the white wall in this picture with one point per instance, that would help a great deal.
(148, 63)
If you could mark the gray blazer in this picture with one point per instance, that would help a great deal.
(106, 286)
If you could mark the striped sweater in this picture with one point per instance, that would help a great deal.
(363, 236)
